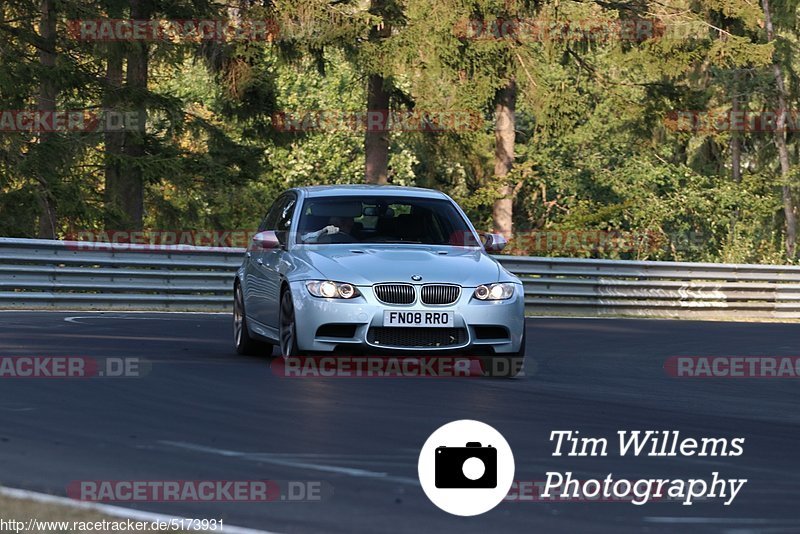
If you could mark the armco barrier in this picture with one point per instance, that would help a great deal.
(38, 273)
(565, 286)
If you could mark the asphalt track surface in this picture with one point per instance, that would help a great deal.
(205, 413)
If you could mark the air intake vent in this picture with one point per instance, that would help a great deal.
(395, 293)
(337, 330)
(387, 336)
(440, 294)
(491, 332)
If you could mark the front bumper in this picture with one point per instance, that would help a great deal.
(485, 326)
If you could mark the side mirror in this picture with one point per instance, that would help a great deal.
(266, 240)
(493, 242)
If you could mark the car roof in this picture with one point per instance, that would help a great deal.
(369, 189)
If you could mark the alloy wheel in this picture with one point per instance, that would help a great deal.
(288, 337)
(238, 317)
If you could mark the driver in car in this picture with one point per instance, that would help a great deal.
(337, 225)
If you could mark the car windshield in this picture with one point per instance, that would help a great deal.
(381, 219)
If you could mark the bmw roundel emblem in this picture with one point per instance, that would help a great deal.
(416, 278)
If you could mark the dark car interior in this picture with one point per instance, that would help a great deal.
(410, 220)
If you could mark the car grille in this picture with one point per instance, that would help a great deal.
(389, 336)
(440, 294)
(395, 293)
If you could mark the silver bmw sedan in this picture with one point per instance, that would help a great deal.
(377, 268)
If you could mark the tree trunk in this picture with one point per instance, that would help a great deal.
(780, 142)
(736, 150)
(376, 141)
(131, 184)
(505, 123)
(736, 138)
(47, 103)
(114, 140)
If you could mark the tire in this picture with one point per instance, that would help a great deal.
(505, 365)
(245, 345)
(287, 329)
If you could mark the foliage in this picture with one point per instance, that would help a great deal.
(597, 147)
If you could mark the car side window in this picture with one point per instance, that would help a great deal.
(285, 214)
(279, 217)
(271, 218)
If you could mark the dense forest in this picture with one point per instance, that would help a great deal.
(624, 129)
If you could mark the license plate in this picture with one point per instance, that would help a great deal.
(418, 318)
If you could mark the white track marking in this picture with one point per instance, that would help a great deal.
(719, 520)
(74, 319)
(575, 317)
(99, 313)
(113, 511)
(294, 461)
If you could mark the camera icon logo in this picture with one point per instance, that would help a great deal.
(466, 467)
(472, 466)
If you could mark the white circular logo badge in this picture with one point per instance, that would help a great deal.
(466, 467)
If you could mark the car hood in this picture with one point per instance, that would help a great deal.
(370, 264)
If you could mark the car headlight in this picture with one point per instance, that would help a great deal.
(500, 291)
(332, 290)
